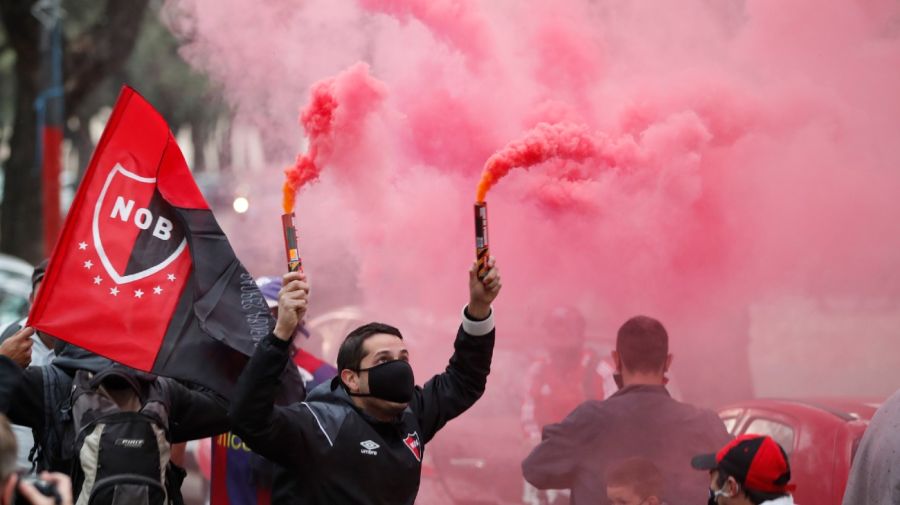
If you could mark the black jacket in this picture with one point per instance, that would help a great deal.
(340, 454)
(638, 421)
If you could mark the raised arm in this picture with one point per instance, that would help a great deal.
(196, 412)
(272, 431)
(449, 394)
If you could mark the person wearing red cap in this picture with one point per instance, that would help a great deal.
(750, 470)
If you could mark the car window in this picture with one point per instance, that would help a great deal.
(729, 423)
(780, 432)
(13, 307)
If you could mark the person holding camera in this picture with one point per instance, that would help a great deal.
(48, 489)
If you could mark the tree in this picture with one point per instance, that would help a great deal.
(96, 44)
(155, 69)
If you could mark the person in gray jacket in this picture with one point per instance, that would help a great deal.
(875, 475)
(640, 420)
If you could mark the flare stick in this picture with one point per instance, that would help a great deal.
(481, 238)
(290, 243)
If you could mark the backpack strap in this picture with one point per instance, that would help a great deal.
(50, 450)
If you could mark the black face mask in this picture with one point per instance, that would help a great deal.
(392, 381)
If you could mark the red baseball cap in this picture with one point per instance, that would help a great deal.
(756, 461)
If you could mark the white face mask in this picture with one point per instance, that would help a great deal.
(714, 496)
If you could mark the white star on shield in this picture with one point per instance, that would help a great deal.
(88, 264)
(98, 280)
(82, 246)
(138, 293)
(171, 277)
(114, 291)
(157, 290)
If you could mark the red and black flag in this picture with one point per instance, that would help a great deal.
(142, 273)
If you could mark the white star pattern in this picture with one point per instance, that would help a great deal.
(88, 264)
(157, 290)
(98, 280)
(138, 293)
(171, 277)
(114, 291)
(82, 246)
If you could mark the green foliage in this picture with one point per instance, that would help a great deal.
(157, 71)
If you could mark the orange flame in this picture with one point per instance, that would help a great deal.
(287, 201)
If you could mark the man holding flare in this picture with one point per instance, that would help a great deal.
(361, 437)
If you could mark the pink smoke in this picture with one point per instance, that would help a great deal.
(337, 106)
(755, 146)
(542, 143)
(457, 22)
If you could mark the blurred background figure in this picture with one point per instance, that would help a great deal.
(17, 491)
(874, 477)
(635, 481)
(42, 346)
(566, 374)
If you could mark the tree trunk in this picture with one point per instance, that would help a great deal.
(199, 137)
(21, 223)
(89, 58)
(81, 138)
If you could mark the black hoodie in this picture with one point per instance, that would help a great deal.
(339, 453)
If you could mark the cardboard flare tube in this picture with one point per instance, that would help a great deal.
(290, 243)
(481, 238)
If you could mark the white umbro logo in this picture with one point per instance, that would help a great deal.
(369, 448)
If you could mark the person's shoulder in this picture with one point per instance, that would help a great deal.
(697, 410)
(593, 410)
(325, 401)
(701, 418)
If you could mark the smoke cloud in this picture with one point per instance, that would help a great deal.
(736, 154)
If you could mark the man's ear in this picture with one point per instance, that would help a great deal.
(668, 363)
(732, 487)
(617, 360)
(350, 379)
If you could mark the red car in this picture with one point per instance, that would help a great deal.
(820, 436)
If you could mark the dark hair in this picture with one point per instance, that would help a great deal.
(643, 344)
(351, 353)
(37, 275)
(755, 497)
(639, 474)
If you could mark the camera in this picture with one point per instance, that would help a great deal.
(44, 487)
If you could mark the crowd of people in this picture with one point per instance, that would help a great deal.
(92, 431)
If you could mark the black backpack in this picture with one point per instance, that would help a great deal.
(112, 430)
